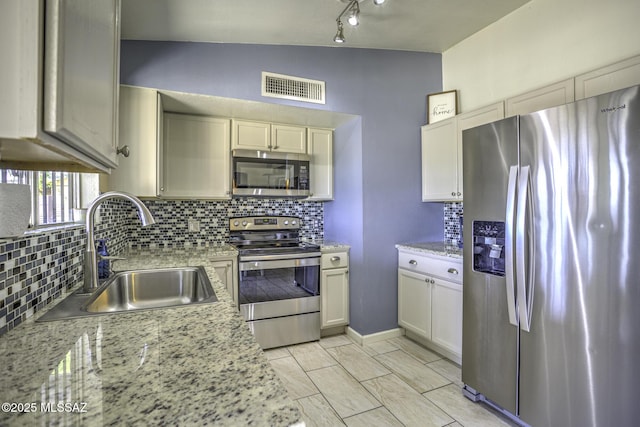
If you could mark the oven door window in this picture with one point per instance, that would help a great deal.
(267, 282)
(262, 173)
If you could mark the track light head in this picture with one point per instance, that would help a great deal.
(354, 15)
(339, 37)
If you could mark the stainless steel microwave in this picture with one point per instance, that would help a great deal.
(268, 174)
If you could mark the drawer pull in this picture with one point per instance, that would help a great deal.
(413, 262)
(452, 271)
(335, 258)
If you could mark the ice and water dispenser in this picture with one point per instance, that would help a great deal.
(488, 247)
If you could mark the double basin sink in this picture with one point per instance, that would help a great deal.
(134, 290)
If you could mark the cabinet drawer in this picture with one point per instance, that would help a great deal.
(444, 267)
(335, 260)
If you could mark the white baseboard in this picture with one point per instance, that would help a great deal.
(371, 338)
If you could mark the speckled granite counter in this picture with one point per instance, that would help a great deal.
(327, 246)
(434, 248)
(196, 365)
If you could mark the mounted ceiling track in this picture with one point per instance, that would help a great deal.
(352, 12)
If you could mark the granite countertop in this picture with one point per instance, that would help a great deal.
(329, 245)
(195, 365)
(434, 248)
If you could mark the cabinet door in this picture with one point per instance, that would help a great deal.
(446, 316)
(136, 174)
(195, 157)
(607, 79)
(320, 148)
(225, 269)
(546, 97)
(251, 135)
(80, 86)
(440, 162)
(414, 302)
(289, 139)
(334, 293)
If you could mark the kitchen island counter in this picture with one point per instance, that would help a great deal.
(191, 365)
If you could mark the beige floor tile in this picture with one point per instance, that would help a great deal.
(346, 395)
(416, 350)
(335, 341)
(316, 412)
(357, 362)
(448, 369)
(379, 417)
(276, 353)
(412, 371)
(406, 404)
(311, 356)
(293, 377)
(467, 413)
(379, 347)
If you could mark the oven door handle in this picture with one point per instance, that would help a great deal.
(276, 257)
(262, 264)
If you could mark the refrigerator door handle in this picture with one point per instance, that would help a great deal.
(510, 219)
(524, 281)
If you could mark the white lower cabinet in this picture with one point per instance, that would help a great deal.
(446, 315)
(334, 289)
(227, 271)
(414, 295)
(430, 300)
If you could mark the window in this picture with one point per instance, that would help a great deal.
(53, 194)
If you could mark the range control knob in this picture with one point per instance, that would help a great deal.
(293, 222)
(286, 222)
(236, 223)
(244, 223)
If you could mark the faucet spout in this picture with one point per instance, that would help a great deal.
(90, 259)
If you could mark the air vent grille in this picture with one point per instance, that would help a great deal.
(289, 87)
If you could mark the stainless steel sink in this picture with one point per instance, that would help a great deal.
(128, 291)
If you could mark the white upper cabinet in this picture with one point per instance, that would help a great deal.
(441, 174)
(59, 83)
(140, 117)
(248, 135)
(195, 157)
(442, 152)
(320, 148)
(546, 97)
(607, 79)
(289, 139)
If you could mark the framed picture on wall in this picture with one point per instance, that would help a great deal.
(442, 105)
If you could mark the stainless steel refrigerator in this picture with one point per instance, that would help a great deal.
(551, 324)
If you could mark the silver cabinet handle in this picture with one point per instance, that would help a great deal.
(433, 281)
(453, 193)
(413, 262)
(124, 150)
(335, 258)
(459, 193)
(452, 271)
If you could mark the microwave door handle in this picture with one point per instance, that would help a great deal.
(510, 220)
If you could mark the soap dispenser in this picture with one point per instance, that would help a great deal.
(104, 269)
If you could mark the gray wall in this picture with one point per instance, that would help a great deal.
(377, 156)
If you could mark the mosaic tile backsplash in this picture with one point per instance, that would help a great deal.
(452, 212)
(36, 268)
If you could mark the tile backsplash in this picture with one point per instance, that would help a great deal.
(38, 267)
(452, 211)
(35, 269)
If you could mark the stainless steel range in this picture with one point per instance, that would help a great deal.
(279, 283)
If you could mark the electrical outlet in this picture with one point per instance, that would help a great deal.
(194, 225)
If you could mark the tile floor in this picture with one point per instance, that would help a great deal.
(396, 382)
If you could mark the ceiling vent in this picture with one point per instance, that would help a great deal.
(289, 87)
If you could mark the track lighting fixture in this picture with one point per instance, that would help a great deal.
(352, 12)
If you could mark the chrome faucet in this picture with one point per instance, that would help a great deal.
(90, 259)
